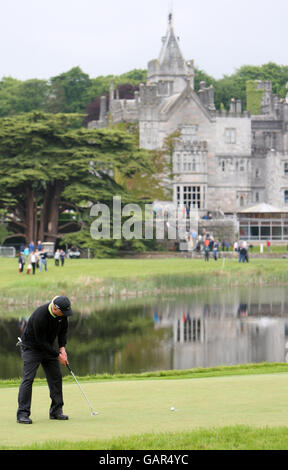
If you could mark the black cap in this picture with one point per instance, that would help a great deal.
(63, 304)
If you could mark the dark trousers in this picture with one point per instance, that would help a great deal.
(31, 361)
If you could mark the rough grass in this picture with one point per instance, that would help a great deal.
(114, 278)
(226, 438)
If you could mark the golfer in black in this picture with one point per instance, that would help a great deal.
(46, 323)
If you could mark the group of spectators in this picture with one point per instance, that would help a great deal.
(207, 245)
(35, 256)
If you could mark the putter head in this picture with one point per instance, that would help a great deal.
(94, 413)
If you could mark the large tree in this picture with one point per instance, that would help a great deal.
(73, 89)
(21, 97)
(48, 164)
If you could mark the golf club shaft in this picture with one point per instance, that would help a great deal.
(82, 391)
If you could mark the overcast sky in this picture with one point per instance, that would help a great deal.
(41, 39)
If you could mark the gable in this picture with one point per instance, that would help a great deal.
(186, 105)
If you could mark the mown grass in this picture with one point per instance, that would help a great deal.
(223, 408)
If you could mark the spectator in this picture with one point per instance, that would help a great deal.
(215, 250)
(31, 247)
(39, 245)
(43, 260)
(57, 257)
(32, 261)
(26, 252)
(21, 263)
(206, 252)
(62, 257)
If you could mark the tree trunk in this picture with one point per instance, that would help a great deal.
(53, 212)
(49, 216)
(30, 216)
(43, 214)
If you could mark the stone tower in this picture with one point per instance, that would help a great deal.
(170, 68)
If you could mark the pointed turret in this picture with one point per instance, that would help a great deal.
(171, 55)
(171, 66)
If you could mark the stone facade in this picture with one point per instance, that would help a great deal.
(223, 160)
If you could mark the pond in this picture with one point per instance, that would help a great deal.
(204, 329)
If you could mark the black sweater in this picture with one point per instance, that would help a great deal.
(42, 329)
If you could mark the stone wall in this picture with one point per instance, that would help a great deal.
(240, 144)
(221, 229)
(277, 183)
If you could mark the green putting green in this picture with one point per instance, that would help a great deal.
(132, 407)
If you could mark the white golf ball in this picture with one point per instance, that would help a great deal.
(172, 408)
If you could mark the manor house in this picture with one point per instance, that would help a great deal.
(223, 160)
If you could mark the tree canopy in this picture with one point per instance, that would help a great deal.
(234, 86)
(49, 164)
(75, 92)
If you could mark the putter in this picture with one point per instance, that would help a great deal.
(93, 413)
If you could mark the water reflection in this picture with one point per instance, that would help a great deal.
(205, 329)
(236, 327)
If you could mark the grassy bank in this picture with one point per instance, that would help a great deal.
(134, 278)
(240, 407)
(197, 373)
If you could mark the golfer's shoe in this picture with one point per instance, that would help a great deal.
(24, 420)
(60, 416)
